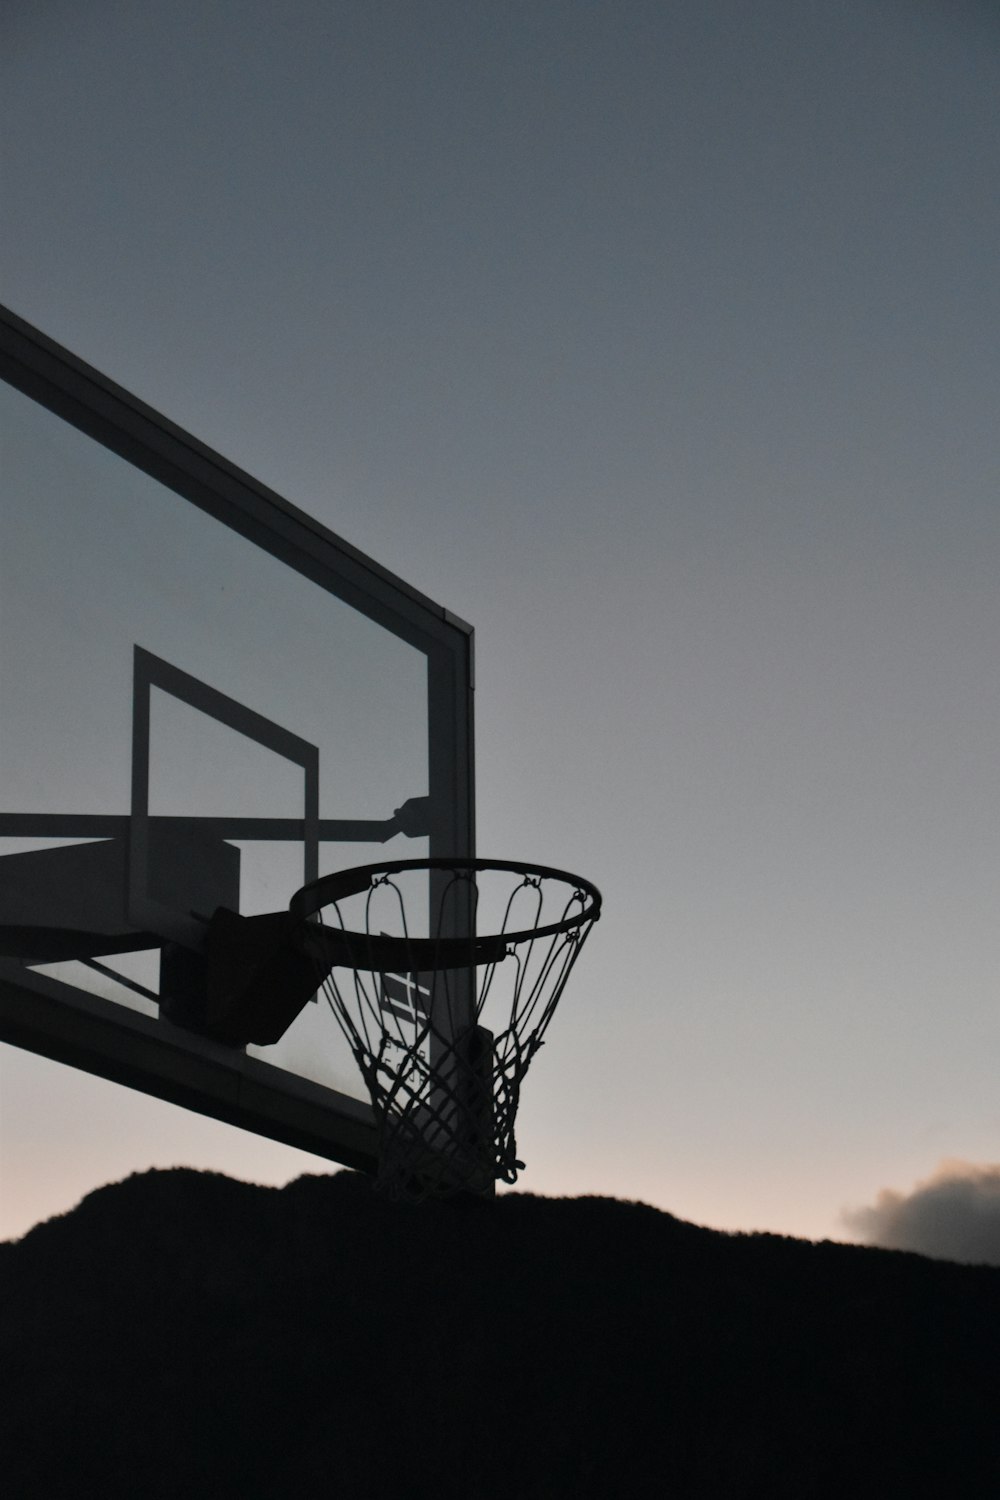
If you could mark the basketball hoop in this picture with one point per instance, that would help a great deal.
(443, 975)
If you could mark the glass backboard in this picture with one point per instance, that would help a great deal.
(206, 700)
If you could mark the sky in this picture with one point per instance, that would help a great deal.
(658, 341)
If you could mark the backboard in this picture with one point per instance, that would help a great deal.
(206, 700)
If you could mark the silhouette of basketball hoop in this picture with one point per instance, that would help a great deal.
(444, 975)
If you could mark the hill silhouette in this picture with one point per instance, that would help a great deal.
(183, 1334)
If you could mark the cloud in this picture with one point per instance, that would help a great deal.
(953, 1215)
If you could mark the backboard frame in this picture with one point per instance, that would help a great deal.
(40, 1013)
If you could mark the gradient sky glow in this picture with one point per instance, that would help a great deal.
(660, 341)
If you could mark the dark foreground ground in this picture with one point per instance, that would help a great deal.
(181, 1334)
